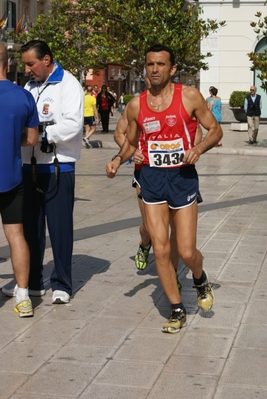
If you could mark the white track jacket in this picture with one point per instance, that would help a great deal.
(59, 99)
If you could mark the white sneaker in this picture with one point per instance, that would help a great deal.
(12, 291)
(87, 143)
(60, 297)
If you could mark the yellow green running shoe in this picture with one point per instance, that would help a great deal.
(205, 295)
(176, 321)
(24, 308)
(141, 258)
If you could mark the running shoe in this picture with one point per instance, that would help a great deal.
(60, 297)
(141, 258)
(87, 143)
(176, 321)
(24, 308)
(205, 295)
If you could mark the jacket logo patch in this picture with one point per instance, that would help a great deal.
(45, 110)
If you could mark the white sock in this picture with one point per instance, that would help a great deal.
(22, 293)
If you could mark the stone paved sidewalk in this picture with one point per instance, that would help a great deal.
(107, 342)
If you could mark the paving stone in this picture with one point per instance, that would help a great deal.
(106, 331)
(55, 331)
(240, 272)
(137, 348)
(111, 391)
(214, 245)
(246, 366)
(195, 365)
(204, 345)
(191, 386)
(84, 354)
(239, 392)
(130, 374)
(40, 396)
(252, 336)
(60, 379)
(256, 312)
(29, 355)
(221, 315)
(232, 291)
(10, 382)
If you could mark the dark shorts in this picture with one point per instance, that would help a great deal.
(89, 120)
(136, 178)
(176, 186)
(11, 205)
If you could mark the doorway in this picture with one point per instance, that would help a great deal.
(260, 48)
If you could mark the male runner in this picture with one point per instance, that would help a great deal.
(166, 114)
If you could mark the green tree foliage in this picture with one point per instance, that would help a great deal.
(87, 34)
(259, 60)
(74, 34)
(136, 24)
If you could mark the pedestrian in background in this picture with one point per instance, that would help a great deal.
(19, 126)
(121, 103)
(90, 116)
(115, 99)
(215, 106)
(105, 102)
(252, 107)
(95, 91)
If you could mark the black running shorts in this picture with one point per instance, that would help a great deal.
(11, 205)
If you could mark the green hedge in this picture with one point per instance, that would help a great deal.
(127, 98)
(237, 98)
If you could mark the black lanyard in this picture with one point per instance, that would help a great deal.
(34, 163)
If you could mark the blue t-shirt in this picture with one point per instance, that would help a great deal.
(17, 110)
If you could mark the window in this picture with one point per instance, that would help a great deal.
(12, 15)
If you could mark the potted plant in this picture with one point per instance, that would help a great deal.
(236, 103)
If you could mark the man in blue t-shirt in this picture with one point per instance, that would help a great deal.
(19, 127)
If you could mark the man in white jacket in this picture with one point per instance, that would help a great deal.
(48, 168)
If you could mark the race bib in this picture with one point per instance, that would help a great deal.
(165, 154)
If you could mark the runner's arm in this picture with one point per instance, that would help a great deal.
(121, 128)
(131, 140)
(198, 136)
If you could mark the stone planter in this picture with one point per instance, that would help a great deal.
(239, 114)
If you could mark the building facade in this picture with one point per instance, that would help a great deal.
(18, 15)
(229, 68)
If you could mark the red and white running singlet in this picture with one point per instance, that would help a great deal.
(166, 134)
